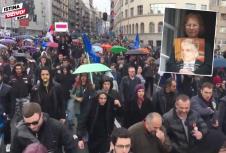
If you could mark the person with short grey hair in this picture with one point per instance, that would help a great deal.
(149, 135)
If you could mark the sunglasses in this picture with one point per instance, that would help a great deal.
(33, 123)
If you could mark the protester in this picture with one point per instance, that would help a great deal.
(37, 126)
(187, 130)
(49, 91)
(127, 87)
(140, 105)
(206, 106)
(149, 135)
(35, 148)
(164, 99)
(98, 121)
(120, 140)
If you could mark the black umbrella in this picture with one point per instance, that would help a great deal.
(135, 52)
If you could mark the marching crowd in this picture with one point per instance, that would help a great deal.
(45, 107)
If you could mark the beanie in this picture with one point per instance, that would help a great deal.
(217, 79)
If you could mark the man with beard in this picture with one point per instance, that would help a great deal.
(164, 99)
(37, 126)
(21, 88)
(49, 95)
(149, 135)
(206, 106)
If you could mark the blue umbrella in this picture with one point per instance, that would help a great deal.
(219, 62)
(97, 49)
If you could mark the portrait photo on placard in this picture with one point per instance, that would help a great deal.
(188, 42)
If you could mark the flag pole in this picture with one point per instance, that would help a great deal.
(90, 73)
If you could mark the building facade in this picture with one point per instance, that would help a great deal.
(146, 17)
(220, 7)
(80, 15)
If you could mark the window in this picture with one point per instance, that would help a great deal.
(133, 29)
(131, 0)
(158, 43)
(223, 16)
(150, 42)
(126, 13)
(190, 6)
(142, 27)
(130, 29)
(140, 10)
(137, 28)
(159, 8)
(222, 29)
(151, 27)
(127, 29)
(160, 27)
(131, 12)
(203, 7)
(126, 2)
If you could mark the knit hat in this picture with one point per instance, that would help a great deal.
(138, 87)
(217, 79)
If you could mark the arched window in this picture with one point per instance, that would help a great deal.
(160, 27)
(137, 28)
(151, 27)
(142, 27)
(127, 29)
(130, 29)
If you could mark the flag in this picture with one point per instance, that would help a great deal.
(89, 50)
(49, 33)
(137, 42)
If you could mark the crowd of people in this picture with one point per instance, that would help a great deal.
(132, 108)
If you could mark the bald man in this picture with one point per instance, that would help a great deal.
(149, 135)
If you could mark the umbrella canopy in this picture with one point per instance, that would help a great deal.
(219, 62)
(24, 37)
(3, 46)
(7, 41)
(94, 67)
(118, 49)
(97, 44)
(135, 52)
(145, 50)
(29, 40)
(106, 46)
(30, 48)
(52, 44)
(97, 49)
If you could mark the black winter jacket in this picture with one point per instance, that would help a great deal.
(176, 132)
(52, 134)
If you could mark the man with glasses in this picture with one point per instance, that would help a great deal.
(120, 141)
(149, 135)
(127, 87)
(37, 126)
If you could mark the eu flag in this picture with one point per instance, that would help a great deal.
(137, 42)
(89, 50)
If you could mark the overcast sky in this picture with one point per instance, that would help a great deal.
(102, 5)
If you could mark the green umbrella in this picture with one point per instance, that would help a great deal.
(94, 67)
(118, 49)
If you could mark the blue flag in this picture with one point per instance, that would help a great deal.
(137, 42)
(89, 50)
